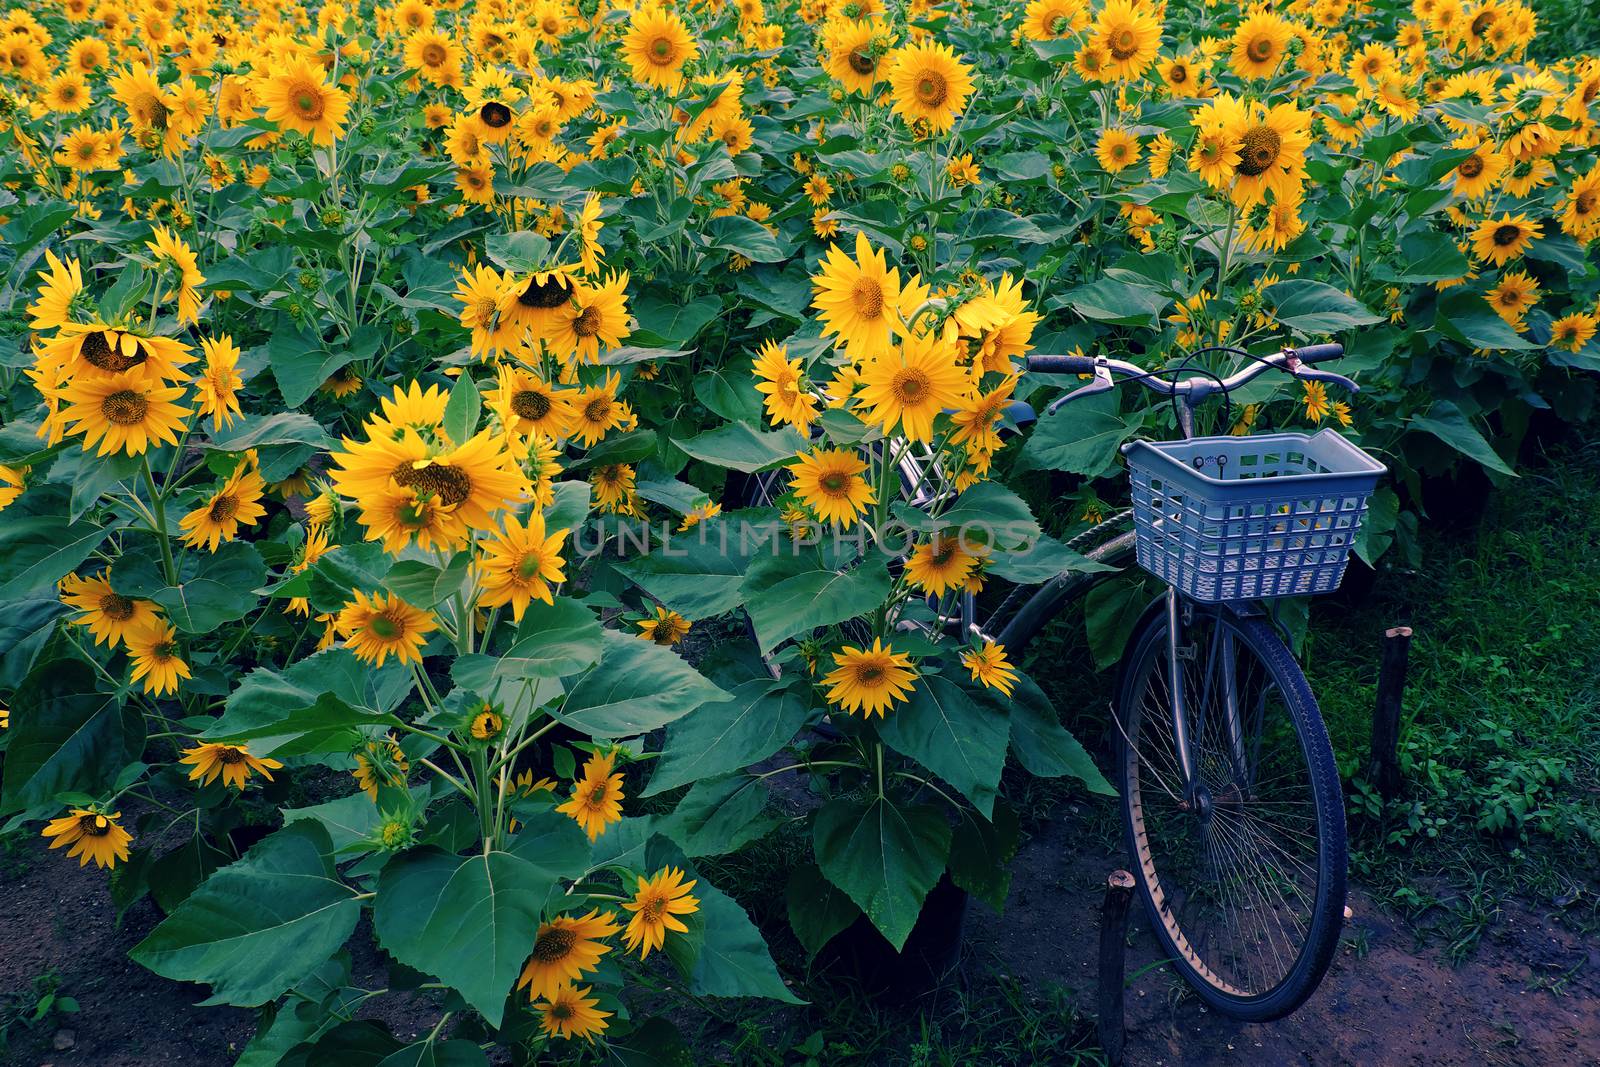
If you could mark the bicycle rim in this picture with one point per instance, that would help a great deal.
(1244, 881)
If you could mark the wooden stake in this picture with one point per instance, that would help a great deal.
(1113, 933)
(1384, 768)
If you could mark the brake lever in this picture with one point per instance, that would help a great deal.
(1306, 374)
(1102, 382)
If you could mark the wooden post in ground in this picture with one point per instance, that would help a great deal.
(1113, 934)
(1384, 767)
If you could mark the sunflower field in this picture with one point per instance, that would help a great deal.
(389, 390)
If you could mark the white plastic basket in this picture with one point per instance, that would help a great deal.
(1227, 519)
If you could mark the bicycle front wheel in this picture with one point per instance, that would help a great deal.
(1243, 873)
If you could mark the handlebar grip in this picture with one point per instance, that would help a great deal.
(1318, 353)
(1061, 364)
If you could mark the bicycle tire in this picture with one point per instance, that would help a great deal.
(1181, 905)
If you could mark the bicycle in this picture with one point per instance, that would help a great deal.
(1230, 796)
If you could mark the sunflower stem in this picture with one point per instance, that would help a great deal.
(159, 505)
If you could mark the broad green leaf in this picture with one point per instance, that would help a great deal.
(571, 506)
(1311, 307)
(818, 909)
(1042, 560)
(884, 855)
(259, 925)
(1043, 746)
(1450, 424)
(1081, 437)
(981, 853)
(469, 921)
(698, 573)
(637, 686)
(38, 543)
(1110, 611)
(742, 447)
(958, 734)
(988, 513)
(1465, 316)
(456, 1052)
(1429, 257)
(728, 958)
(26, 627)
(720, 815)
(1117, 302)
(213, 587)
(258, 431)
(462, 409)
(669, 322)
(555, 639)
(728, 735)
(321, 704)
(788, 594)
(745, 236)
(66, 736)
(424, 585)
(301, 362)
(348, 819)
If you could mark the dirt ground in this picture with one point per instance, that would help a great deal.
(1528, 995)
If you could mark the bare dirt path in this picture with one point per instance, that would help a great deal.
(1530, 994)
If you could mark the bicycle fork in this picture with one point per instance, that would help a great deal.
(1220, 671)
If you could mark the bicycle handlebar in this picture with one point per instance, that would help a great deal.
(1062, 364)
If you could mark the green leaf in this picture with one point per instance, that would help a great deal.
(523, 251)
(257, 926)
(348, 820)
(669, 322)
(470, 921)
(720, 815)
(730, 959)
(424, 585)
(818, 909)
(1110, 611)
(637, 686)
(1081, 438)
(301, 362)
(462, 409)
(742, 447)
(213, 587)
(1430, 256)
(988, 513)
(66, 736)
(745, 236)
(1450, 424)
(562, 637)
(1312, 307)
(886, 857)
(1117, 302)
(1041, 561)
(258, 431)
(699, 573)
(787, 594)
(1465, 316)
(38, 543)
(958, 734)
(1043, 746)
(321, 704)
(456, 1052)
(728, 735)
(571, 506)
(981, 853)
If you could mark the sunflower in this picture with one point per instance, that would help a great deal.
(1129, 33)
(148, 106)
(862, 300)
(156, 657)
(109, 615)
(471, 481)
(657, 45)
(1316, 401)
(940, 564)
(869, 681)
(613, 485)
(298, 97)
(990, 666)
(596, 410)
(383, 625)
(1573, 331)
(533, 302)
(596, 800)
(487, 724)
(233, 763)
(856, 49)
(1116, 150)
(907, 386)
(1514, 297)
(564, 948)
(527, 404)
(1501, 240)
(84, 150)
(1271, 146)
(1215, 157)
(123, 411)
(588, 231)
(88, 54)
(380, 763)
(595, 316)
(169, 248)
(93, 835)
(930, 84)
(1260, 44)
(59, 289)
(829, 482)
(656, 906)
(1181, 78)
(217, 387)
(483, 291)
(1580, 208)
(781, 380)
(1050, 20)
(1476, 175)
(491, 96)
(666, 627)
(975, 422)
(572, 1012)
(67, 93)
(398, 516)
(94, 350)
(236, 503)
(519, 564)
(434, 55)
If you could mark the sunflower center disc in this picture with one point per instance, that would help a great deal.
(1507, 235)
(554, 945)
(386, 626)
(224, 507)
(116, 606)
(661, 50)
(868, 298)
(861, 62)
(125, 407)
(495, 115)
(550, 293)
(587, 324)
(231, 756)
(97, 350)
(450, 484)
(1258, 150)
(598, 410)
(1259, 49)
(530, 404)
(932, 89)
(911, 385)
(433, 55)
(1124, 44)
(1471, 167)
